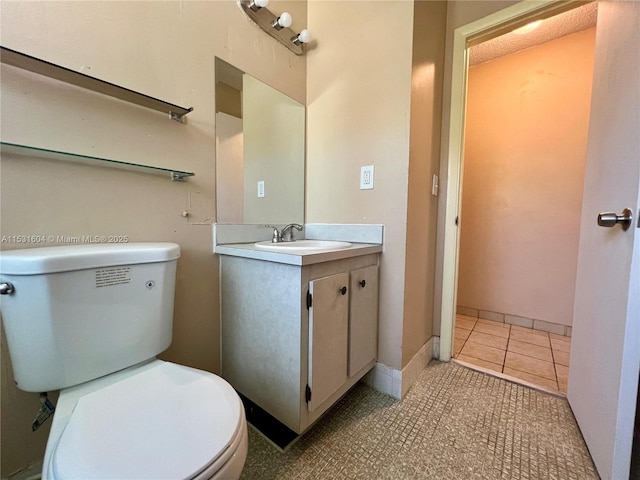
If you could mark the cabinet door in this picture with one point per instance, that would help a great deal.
(363, 317)
(328, 330)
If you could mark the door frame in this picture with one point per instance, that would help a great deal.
(478, 31)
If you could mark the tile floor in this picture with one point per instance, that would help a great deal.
(534, 356)
(454, 423)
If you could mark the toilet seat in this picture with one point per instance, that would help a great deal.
(168, 421)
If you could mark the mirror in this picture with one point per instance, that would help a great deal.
(259, 151)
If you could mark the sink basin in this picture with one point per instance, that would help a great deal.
(302, 246)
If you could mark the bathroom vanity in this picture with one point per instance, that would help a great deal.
(298, 329)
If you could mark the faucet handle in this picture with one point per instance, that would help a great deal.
(276, 236)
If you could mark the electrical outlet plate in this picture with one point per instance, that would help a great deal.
(366, 177)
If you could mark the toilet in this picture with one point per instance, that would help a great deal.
(88, 320)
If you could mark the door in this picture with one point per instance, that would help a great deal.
(328, 330)
(363, 317)
(605, 345)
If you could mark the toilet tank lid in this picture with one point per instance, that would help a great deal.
(36, 261)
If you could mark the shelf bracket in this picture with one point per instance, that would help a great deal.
(179, 176)
(179, 117)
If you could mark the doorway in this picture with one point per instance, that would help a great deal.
(526, 129)
(465, 38)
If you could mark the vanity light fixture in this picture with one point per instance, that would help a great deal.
(256, 5)
(276, 26)
(303, 37)
(283, 21)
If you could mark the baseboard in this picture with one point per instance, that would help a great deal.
(385, 379)
(396, 383)
(416, 365)
(535, 324)
(32, 472)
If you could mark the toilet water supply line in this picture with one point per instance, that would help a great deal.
(46, 410)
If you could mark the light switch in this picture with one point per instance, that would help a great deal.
(261, 189)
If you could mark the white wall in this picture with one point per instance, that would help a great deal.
(164, 49)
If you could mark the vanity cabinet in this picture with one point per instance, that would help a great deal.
(296, 338)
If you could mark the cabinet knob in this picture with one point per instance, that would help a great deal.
(343, 290)
(362, 283)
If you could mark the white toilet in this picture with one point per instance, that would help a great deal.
(89, 320)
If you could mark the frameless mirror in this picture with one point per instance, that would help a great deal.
(259, 151)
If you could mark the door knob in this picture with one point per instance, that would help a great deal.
(609, 219)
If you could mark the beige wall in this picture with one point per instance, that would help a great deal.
(358, 97)
(373, 101)
(228, 100)
(229, 169)
(429, 25)
(164, 49)
(525, 147)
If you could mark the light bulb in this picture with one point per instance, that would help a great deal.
(256, 5)
(303, 37)
(283, 21)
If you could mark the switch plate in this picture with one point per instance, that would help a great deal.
(366, 177)
(261, 189)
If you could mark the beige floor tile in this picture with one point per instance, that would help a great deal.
(480, 363)
(486, 339)
(561, 358)
(462, 321)
(562, 345)
(530, 350)
(492, 328)
(518, 328)
(483, 352)
(534, 338)
(457, 347)
(461, 334)
(563, 377)
(530, 365)
(536, 380)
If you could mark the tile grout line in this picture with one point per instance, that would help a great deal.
(509, 338)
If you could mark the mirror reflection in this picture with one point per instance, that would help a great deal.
(259, 151)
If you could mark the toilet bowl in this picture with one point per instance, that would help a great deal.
(154, 421)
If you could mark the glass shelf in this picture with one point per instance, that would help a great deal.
(42, 67)
(36, 152)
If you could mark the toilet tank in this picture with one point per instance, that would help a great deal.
(80, 312)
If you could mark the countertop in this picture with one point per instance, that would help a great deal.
(248, 250)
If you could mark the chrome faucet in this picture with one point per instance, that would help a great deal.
(286, 234)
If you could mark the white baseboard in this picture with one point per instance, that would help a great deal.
(385, 379)
(396, 383)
